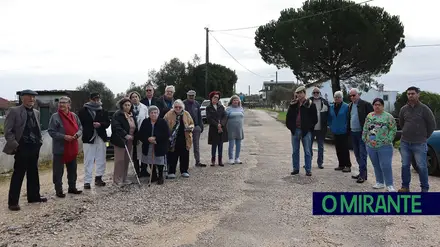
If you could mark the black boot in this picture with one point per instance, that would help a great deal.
(98, 181)
(154, 174)
(160, 179)
(220, 163)
(212, 161)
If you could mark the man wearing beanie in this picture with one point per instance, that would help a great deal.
(95, 121)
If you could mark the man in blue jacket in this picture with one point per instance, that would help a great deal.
(337, 121)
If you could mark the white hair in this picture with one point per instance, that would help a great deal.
(338, 94)
(179, 102)
(354, 90)
(65, 99)
(170, 88)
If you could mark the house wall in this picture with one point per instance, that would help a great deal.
(7, 161)
(327, 92)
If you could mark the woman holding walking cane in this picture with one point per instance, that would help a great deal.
(124, 128)
(154, 135)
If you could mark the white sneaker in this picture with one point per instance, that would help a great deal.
(185, 175)
(231, 161)
(391, 189)
(238, 161)
(378, 186)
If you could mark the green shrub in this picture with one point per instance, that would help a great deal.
(397, 144)
(2, 129)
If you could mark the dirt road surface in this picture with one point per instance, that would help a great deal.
(257, 203)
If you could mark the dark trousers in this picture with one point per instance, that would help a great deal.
(58, 172)
(26, 163)
(342, 151)
(319, 136)
(140, 168)
(215, 147)
(180, 154)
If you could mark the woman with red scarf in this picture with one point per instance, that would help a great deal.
(65, 129)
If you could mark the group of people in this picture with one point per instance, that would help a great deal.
(153, 132)
(370, 129)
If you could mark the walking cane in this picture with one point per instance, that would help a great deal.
(152, 166)
(131, 161)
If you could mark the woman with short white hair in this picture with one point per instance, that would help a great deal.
(181, 126)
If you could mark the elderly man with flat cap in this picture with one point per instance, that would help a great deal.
(24, 140)
(193, 107)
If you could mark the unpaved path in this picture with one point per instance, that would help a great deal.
(254, 204)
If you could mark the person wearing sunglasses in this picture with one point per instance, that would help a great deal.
(181, 126)
(358, 110)
(149, 99)
(322, 108)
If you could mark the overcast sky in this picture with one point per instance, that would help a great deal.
(53, 44)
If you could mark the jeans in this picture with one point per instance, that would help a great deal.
(382, 158)
(320, 139)
(360, 151)
(237, 144)
(214, 148)
(306, 142)
(419, 151)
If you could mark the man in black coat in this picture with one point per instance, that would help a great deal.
(165, 102)
(149, 99)
(320, 130)
(301, 119)
(95, 121)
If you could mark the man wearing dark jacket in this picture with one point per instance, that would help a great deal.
(301, 119)
(358, 110)
(165, 102)
(193, 107)
(149, 99)
(322, 109)
(95, 121)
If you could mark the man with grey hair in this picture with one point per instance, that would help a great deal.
(165, 102)
(193, 107)
(358, 110)
(337, 121)
(320, 130)
(149, 99)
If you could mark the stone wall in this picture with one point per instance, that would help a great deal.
(7, 161)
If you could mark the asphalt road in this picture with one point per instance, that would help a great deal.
(257, 203)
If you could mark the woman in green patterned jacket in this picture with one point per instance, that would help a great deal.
(378, 133)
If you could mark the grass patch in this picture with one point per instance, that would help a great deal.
(282, 116)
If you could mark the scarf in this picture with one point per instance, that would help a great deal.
(175, 130)
(70, 128)
(92, 107)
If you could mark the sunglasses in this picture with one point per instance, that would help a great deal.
(177, 107)
(149, 90)
(352, 95)
(215, 97)
(315, 92)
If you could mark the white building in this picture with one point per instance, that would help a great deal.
(389, 97)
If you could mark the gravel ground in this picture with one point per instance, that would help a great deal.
(254, 204)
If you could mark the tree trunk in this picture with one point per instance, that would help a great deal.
(336, 84)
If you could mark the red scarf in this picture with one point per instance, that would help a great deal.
(71, 128)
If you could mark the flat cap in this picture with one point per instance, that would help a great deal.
(28, 92)
(300, 88)
(94, 95)
(191, 93)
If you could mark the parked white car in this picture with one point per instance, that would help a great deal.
(203, 106)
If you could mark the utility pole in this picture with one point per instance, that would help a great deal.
(276, 77)
(235, 88)
(249, 88)
(207, 62)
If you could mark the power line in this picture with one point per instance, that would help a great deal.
(247, 37)
(427, 45)
(235, 58)
(292, 20)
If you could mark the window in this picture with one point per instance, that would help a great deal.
(385, 97)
